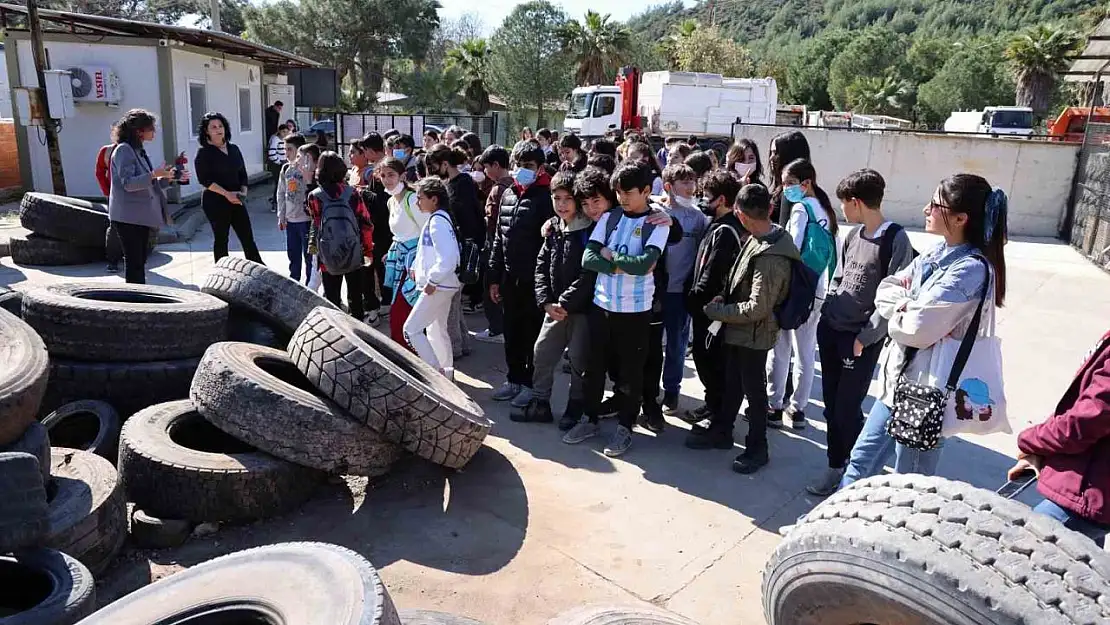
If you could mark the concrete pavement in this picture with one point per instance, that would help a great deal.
(533, 526)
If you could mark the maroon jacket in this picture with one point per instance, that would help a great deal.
(1075, 441)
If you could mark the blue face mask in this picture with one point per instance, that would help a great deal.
(524, 177)
(794, 193)
(400, 154)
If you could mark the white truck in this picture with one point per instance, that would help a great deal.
(996, 121)
(672, 104)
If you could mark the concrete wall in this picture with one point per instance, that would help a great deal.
(1036, 175)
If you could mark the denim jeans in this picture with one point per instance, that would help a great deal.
(676, 324)
(1072, 521)
(874, 447)
(296, 246)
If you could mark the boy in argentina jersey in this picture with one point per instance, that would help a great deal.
(623, 254)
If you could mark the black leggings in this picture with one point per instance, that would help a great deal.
(225, 216)
(133, 239)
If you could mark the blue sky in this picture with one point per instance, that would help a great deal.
(493, 12)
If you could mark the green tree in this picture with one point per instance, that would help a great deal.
(710, 51)
(926, 56)
(527, 64)
(681, 33)
(432, 89)
(808, 71)
(1037, 56)
(974, 77)
(885, 95)
(872, 53)
(471, 60)
(599, 47)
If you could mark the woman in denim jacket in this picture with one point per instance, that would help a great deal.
(933, 298)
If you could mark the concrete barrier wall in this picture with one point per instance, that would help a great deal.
(1036, 175)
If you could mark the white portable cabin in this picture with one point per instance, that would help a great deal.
(689, 103)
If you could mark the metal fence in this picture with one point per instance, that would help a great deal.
(1089, 214)
(347, 127)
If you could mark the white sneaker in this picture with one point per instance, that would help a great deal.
(523, 398)
(485, 337)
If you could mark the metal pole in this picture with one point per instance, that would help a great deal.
(57, 175)
(215, 10)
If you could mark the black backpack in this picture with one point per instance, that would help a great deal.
(470, 257)
(339, 241)
(795, 310)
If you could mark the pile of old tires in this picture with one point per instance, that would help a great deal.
(64, 231)
(930, 551)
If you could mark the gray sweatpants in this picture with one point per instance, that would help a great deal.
(456, 327)
(556, 336)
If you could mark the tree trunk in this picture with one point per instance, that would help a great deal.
(540, 121)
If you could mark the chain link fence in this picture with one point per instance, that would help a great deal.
(1090, 222)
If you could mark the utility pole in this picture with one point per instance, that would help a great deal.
(215, 10)
(57, 175)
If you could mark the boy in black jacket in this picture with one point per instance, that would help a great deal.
(716, 255)
(564, 290)
(512, 267)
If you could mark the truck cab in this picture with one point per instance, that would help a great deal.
(594, 110)
(1007, 120)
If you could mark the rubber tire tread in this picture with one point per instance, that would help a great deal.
(64, 218)
(35, 250)
(263, 291)
(245, 326)
(619, 615)
(106, 442)
(97, 330)
(213, 583)
(73, 593)
(388, 388)
(151, 532)
(127, 386)
(242, 399)
(24, 520)
(169, 480)
(958, 552)
(35, 441)
(88, 513)
(24, 367)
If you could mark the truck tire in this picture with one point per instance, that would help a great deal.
(124, 322)
(619, 615)
(258, 396)
(263, 291)
(86, 425)
(151, 532)
(35, 441)
(11, 301)
(24, 366)
(302, 583)
(88, 513)
(918, 550)
(36, 250)
(388, 388)
(67, 219)
(126, 386)
(428, 617)
(174, 464)
(246, 327)
(44, 587)
(24, 518)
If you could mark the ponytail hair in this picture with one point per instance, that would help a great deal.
(803, 170)
(987, 227)
(441, 153)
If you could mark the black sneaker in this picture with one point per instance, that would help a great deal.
(750, 461)
(537, 411)
(652, 418)
(797, 419)
(709, 438)
(701, 427)
(774, 419)
(571, 416)
(700, 413)
(610, 407)
(670, 404)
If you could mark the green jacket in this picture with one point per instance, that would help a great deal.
(756, 285)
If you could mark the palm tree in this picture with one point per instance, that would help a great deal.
(432, 89)
(598, 46)
(680, 33)
(879, 95)
(471, 59)
(1037, 55)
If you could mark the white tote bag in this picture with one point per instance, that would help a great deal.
(317, 278)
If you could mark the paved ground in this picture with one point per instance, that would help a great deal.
(533, 526)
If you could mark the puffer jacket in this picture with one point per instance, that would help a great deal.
(560, 278)
(517, 240)
(757, 284)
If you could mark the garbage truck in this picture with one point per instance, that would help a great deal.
(672, 104)
(996, 121)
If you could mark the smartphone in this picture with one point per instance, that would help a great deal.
(177, 169)
(1013, 488)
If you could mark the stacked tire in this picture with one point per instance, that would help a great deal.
(64, 231)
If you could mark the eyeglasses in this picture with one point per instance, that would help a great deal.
(935, 205)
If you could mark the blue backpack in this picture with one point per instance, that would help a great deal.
(795, 310)
(818, 246)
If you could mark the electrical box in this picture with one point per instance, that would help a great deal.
(59, 93)
(28, 106)
(284, 93)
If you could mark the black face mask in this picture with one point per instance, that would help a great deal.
(707, 208)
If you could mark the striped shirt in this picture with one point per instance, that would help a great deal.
(622, 292)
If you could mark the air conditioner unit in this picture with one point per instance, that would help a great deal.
(95, 84)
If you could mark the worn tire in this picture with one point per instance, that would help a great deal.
(88, 513)
(88, 425)
(246, 327)
(428, 617)
(37, 250)
(388, 388)
(45, 587)
(263, 291)
(302, 583)
(127, 386)
(174, 464)
(11, 301)
(24, 520)
(24, 365)
(64, 218)
(124, 322)
(255, 394)
(619, 615)
(920, 550)
(35, 441)
(151, 532)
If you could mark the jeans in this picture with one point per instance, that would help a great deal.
(296, 245)
(430, 313)
(745, 372)
(626, 335)
(1072, 521)
(676, 324)
(803, 342)
(133, 239)
(874, 446)
(845, 379)
(333, 287)
(224, 217)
